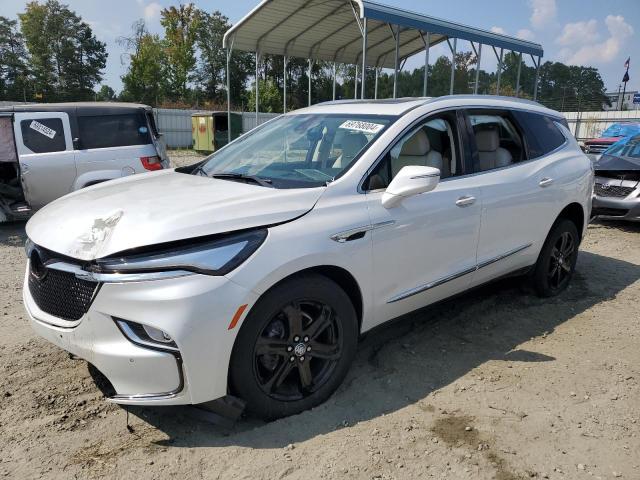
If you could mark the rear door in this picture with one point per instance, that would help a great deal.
(519, 183)
(46, 156)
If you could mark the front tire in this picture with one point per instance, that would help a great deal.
(295, 347)
(557, 260)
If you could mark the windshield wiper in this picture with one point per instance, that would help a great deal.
(264, 182)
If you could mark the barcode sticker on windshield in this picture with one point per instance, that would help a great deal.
(43, 129)
(368, 127)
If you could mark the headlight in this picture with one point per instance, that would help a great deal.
(213, 257)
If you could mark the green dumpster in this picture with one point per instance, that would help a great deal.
(210, 131)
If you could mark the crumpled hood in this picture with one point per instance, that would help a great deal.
(159, 207)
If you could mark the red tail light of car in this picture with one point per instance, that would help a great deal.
(151, 163)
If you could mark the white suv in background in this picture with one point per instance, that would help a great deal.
(253, 272)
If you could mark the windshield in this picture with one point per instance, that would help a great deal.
(297, 151)
(627, 147)
(621, 130)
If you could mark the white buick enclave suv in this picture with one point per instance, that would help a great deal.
(253, 273)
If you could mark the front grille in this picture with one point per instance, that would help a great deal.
(60, 293)
(597, 147)
(609, 212)
(613, 191)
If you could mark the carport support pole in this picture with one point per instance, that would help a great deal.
(375, 88)
(284, 84)
(395, 64)
(518, 75)
(535, 84)
(257, 86)
(334, 81)
(453, 63)
(309, 75)
(426, 64)
(479, 58)
(364, 58)
(355, 84)
(228, 97)
(499, 72)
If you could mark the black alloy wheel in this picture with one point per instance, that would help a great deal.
(298, 350)
(557, 260)
(295, 347)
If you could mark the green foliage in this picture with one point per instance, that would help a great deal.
(210, 74)
(105, 94)
(144, 80)
(270, 96)
(66, 59)
(181, 27)
(13, 61)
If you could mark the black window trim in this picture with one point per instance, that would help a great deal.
(461, 141)
(500, 111)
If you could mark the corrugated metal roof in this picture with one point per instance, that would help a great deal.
(328, 30)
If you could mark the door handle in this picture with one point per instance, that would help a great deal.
(545, 182)
(24, 168)
(465, 201)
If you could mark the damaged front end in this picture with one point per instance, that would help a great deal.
(617, 182)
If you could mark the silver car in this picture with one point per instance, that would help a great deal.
(49, 150)
(617, 181)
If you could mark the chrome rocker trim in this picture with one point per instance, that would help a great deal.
(453, 276)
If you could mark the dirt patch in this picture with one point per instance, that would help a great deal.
(550, 388)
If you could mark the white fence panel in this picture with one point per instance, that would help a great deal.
(585, 125)
(175, 124)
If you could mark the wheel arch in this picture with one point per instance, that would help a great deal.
(339, 275)
(575, 213)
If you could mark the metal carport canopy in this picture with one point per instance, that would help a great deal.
(332, 30)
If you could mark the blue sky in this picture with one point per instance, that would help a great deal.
(587, 32)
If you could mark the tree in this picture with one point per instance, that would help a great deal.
(270, 96)
(13, 61)
(105, 94)
(66, 58)
(211, 70)
(144, 80)
(181, 30)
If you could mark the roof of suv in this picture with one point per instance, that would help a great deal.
(79, 108)
(400, 106)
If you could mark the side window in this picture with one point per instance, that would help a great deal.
(433, 143)
(541, 134)
(43, 135)
(498, 142)
(106, 131)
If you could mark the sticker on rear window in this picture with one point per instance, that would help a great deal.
(43, 129)
(360, 126)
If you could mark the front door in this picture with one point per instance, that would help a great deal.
(424, 249)
(46, 155)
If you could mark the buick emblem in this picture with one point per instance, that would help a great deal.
(38, 270)
(605, 186)
(300, 349)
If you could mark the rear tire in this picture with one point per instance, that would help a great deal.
(295, 347)
(557, 260)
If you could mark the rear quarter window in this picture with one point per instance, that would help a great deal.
(108, 131)
(541, 133)
(43, 135)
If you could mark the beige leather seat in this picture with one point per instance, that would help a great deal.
(352, 143)
(416, 151)
(490, 153)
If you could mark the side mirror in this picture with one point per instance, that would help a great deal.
(410, 180)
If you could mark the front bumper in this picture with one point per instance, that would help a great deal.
(194, 310)
(611, 208)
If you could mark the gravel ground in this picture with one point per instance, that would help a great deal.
(496, 384)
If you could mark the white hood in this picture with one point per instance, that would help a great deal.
(159, 207)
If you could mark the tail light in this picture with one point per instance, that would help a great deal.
(151, 163)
